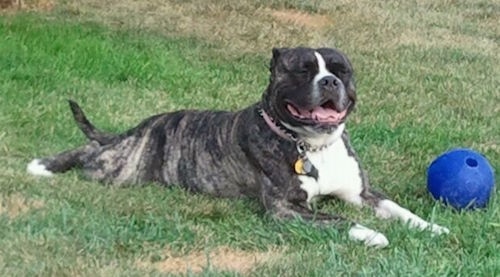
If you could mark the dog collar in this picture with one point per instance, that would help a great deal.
(277, 129)
(281, 131)
(302, 165)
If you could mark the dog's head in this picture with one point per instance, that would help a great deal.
(311, 91)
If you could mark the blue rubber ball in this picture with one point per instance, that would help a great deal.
(461, 178)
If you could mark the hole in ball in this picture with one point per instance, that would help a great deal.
(471, 162)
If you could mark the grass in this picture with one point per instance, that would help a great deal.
(427, 78)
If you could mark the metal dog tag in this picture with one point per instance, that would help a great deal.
(303, 166)
(299, 166)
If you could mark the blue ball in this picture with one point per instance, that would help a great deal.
(461, 178)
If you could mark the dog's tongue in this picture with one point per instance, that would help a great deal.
(327, 115)
(320, 114)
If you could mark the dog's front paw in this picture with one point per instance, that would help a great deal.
(434, 228)
(368, 236)
(438, 230)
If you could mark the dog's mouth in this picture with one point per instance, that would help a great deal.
(325, 113)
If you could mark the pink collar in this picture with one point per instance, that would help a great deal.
(273, 125)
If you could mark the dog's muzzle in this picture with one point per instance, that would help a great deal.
(329, 105)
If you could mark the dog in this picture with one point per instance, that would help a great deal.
(285, 150)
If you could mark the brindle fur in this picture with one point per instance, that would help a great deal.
(214, 152)
(225, 154)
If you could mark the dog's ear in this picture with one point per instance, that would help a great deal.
(277, 52)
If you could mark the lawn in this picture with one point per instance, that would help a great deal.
(427, 73)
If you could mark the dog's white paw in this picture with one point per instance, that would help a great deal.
(368, 236)
(438, 230)
(427, 226)
(35, 167)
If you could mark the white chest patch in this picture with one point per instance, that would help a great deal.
(338, 174)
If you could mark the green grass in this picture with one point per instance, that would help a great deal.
(419, 94)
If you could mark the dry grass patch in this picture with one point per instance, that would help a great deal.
(239, 26)
(36, 5)
(9, 4)
(16, 204)
(303, 19)
(222, 258)
(445, 38)
(256, 26)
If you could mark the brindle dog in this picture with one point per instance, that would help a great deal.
(284, 150)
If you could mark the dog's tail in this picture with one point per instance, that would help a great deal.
(88, 128)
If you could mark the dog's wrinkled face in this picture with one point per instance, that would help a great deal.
(311, 90)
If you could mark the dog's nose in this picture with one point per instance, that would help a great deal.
(329, 81)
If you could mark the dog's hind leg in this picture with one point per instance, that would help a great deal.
(358, 232)
(59, 163)
(295, 205)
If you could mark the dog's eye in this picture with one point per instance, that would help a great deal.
(303, 68)
(339, 70)
(301, 71)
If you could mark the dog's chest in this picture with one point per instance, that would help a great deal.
(338, 173)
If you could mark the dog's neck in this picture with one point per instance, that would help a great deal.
(324, 140)
(312, 144)
(275, 127)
